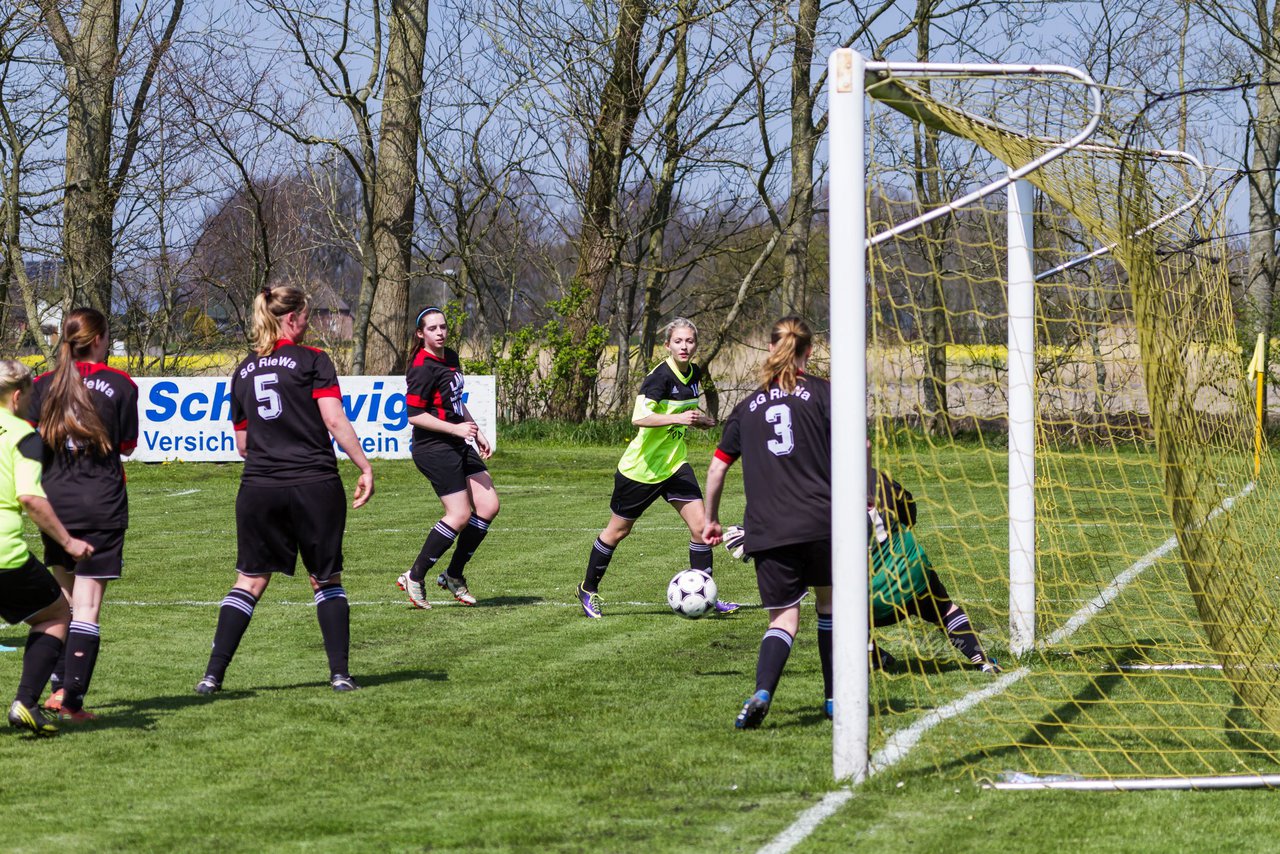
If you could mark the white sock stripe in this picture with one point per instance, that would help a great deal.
(333, 592)
(956, 622)
(602, 548)
(698, 547)
(477, 522)
(83, 628)
(825, 624)
(239, 604)
(781, 635)
(444, 530)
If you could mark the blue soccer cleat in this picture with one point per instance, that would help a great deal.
(753, 710)
(829, 708)
(592, 606)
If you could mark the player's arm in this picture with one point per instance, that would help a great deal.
(242, 442)
(26, 481)
(427, 421)
(41, 512)
(339, 427)
(482, 443)
(712, 532)
(643, 415)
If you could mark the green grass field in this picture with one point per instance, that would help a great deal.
(516, 725)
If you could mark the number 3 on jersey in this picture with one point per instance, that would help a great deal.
(268, 398)
(779, 415)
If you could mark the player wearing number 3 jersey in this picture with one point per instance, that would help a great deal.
(782, 433)
(286, 403)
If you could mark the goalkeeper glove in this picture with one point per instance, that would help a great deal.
(735, 542)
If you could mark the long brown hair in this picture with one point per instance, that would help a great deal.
(269, 306)
(791, 338)
(68, 418)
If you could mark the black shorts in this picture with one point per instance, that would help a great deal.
(631, 497)
(785, 574)
(274, 524)
(106, 563)
(447, 466)
(26, 590)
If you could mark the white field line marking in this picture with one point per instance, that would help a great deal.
(138, 494)
(196, 603)
(497, 529)
(807, 822)
(901, 742)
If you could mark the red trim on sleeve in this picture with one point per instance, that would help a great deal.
(126, 447)
(725, 458)
(242, 425)
(415, 401)
(331, 391)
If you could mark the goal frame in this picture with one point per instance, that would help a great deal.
(849, 242)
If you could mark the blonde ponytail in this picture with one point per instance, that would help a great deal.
(791, 339)
(269, 306)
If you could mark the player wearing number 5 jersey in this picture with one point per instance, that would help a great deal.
(285, 403)
(449, 450)
(782, 434)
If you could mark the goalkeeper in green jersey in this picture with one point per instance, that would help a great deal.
(655, 464)
(903, 582)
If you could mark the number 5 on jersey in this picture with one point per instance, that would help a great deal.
(779, 415)
(269, 406)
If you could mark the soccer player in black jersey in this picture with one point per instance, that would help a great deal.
(28, 593)
(87, 414)
(782, 433)
(443, 436)
(655, 464)
(285, 404)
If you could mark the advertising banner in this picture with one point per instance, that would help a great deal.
(189, 418)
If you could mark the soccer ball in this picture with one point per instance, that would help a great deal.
(691, 593)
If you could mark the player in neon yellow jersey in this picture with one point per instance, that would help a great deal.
(28, 592)
(655, 464)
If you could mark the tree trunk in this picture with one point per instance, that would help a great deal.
(91, 58)
(1260, 286)
(395, 181)
(620, 103)
(804, 141)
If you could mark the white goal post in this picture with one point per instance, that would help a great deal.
(848, 319)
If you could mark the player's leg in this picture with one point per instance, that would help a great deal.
(629, 501)
(61, 565)
(83, 636)
(937, 607)
(780, 576)
(826, 625)
(615, 531)
(443, 468)
(333, 612)
(29, 594)
(264, 544)
(484, 508)
(320, 518)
